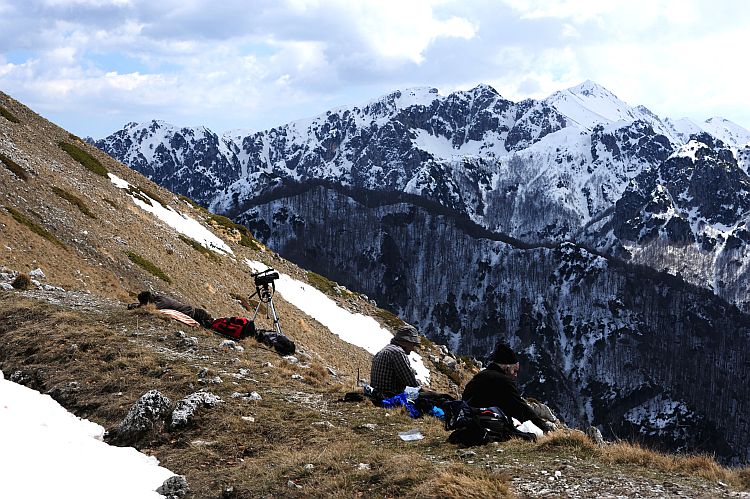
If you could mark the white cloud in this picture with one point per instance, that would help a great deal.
(92, 65)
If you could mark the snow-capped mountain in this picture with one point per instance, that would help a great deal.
(454, 211)
(688, 215)
(538, 171)
(472, 151)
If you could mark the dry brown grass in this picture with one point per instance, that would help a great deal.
(459, 482)
(116, 356)
(574, 442)
(691, 465)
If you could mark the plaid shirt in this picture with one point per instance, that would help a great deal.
(391, 372)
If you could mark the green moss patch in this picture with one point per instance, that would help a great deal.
(390, 319)
(246, 237)
(74, 200)
(321, 283)
(148, 266)
(14, 167)
(24, 220)
(190, 202)
(84, 158)
(8, 115)
(199, 248)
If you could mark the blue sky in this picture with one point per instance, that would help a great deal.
(93, 65)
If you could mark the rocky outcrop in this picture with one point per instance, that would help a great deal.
(149, 413)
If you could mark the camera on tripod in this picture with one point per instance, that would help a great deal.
(265, 277)
(264, 290)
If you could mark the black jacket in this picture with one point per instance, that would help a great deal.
(493, 388)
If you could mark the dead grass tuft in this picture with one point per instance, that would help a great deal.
(14, 167)
(575, 442)
(74, 200)
(22, 281)
(693, 465)
(741, 478)
(459, 482)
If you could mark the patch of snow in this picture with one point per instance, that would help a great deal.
(49, 452)
(357, 329)
(689, 150)
(179, 222)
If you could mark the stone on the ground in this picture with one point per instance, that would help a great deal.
(232, 345)
(188, 406)
(174, 487)
(595, 435)
(450, 362)
(38, 274)
(148, 412)
(189, 342)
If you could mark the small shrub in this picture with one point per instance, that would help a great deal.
(246, 237)
(8, 115)
(22, 281)
(74, 200)
(24, 220)
(14, 167)
(199, 248)
(323, 284)
(86, 159)
(148, 266)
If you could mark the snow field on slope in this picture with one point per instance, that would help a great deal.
(49, 452)
(179, 222)
(356, 329)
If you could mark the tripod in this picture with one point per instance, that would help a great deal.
(264, 290)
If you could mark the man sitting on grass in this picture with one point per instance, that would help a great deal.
(391, 372)
(496, 387)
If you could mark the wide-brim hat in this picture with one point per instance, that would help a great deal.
(407, 333)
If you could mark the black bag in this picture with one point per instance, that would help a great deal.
(478, 426)
(279, 342)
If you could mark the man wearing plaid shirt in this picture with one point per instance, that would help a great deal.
(391, 372)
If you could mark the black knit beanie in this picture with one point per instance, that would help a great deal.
(503, 354)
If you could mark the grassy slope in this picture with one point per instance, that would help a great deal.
(117, 355)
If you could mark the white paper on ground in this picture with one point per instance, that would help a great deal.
(410, 435)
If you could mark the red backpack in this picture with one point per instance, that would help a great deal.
(236, 328)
